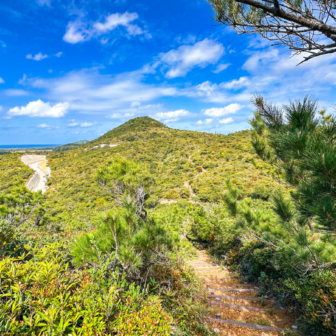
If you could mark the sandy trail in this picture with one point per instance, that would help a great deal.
(38, 181)
(234, 308)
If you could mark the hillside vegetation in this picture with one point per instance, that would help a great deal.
(177, 159)
(92, 234)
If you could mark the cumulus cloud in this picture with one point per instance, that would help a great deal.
(1, 81)
(90, 92)
(86, 124)
(22, 81)
(16, 93)
(237, 84)
(37, 57)
(73, 124)
(226, 121)
(114, 20)
(183, 59)
(135, 104)
(79, 31)
(171, 116)
(121, 116)
(43, 126)
(40, 109)
(76, 33)
(221, 111)
(221, 67)
(59, 54)
(205, 122)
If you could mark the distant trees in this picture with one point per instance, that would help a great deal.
(305, 26)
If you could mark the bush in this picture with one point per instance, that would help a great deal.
(148, 319)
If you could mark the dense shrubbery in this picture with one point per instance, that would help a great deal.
(127, 276)
(41, 295)
(118, 231)
(287, 243)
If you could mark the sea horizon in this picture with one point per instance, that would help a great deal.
(26, 146)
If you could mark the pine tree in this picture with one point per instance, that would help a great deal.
(301, 141)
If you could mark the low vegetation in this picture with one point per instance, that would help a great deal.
(105, 250)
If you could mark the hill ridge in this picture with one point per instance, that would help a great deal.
(135, 125)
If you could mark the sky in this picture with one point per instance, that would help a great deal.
(72, 70)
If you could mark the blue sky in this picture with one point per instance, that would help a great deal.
(72, 70)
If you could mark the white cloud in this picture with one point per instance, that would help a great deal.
(79, 31)
(226, 121)
(149, 107)
(23, 79)
(59, 54)
(1, 81)
(86, 124)
(259, 59)
(221, 67)
(171, 114)
(205, 122)
(73, 124)
(183, 59)
(43, 126)
(37, 57)
(90, 92)
(40, 109)
(114, 20)
(171, 120)
(221, 111)
(121, 116)
(76, 33)
(237, 84)
(1, 108)
(16, 93)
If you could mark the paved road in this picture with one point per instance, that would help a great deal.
(41, 178)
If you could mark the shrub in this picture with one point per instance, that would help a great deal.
(148, 319)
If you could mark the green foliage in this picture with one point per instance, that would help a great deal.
(302, 144)
(150, 319)
(124, 173)
(99, 244)
(43, 297)
(127, 241)
(70, 146)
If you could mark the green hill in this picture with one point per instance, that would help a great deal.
(131, 128)
(71, 145)
(188, 165)
(69, 238)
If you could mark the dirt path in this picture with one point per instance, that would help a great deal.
(187, 185)
(38, 181)
(235, 308)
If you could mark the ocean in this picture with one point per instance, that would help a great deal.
(24, 146)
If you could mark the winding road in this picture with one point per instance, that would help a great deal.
(38, 181)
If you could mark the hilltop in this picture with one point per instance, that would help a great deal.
(189, 172)
(131, 128)
(188, 165)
